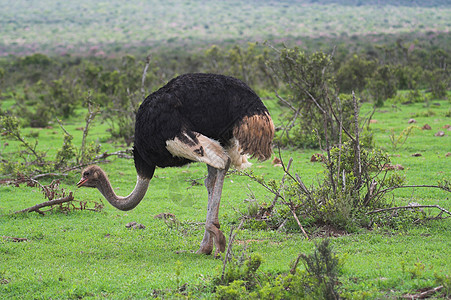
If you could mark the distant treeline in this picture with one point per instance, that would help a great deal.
(44, 87)
(41, 88)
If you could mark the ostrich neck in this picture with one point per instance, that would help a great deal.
(129, 202)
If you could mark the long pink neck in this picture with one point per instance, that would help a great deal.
(125, 203)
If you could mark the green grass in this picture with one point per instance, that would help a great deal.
(85, 254)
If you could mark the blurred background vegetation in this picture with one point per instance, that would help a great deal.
(54, 55)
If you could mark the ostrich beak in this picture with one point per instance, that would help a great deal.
(82, 181)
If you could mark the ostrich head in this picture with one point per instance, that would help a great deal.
(92, 176)
(95, 177)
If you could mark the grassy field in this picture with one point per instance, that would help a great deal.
(86, 254)
(97, 27)
(92, 254)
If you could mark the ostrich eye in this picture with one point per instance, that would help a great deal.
(86, 174)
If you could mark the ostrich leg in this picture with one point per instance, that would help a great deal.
(206, 245)
(214, 183)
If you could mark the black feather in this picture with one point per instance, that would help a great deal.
(205, 103)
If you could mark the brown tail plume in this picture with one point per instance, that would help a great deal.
(255, 134)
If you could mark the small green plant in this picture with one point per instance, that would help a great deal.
(34, 160)
(398, 140)
(417, 270)
(322, 269)
(66, 153)
(178, 272)
(319, 280)
(243, 269)
(424, 114)
(11, 128)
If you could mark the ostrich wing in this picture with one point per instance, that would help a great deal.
(197, 147)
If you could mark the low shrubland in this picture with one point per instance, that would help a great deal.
(361, 174)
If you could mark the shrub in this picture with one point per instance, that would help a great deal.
(319, 280)
(383, 84)
(350, 186)
(322, 268)
(354, 73)
(438, 81)
(311, 84)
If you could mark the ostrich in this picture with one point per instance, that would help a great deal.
(214, 119)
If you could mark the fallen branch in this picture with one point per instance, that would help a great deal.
(444, 187)
(121, 154)
(407, 207)
(425, 294)
(299, 224)
(37, 207)
(14, 239)
(48, 175)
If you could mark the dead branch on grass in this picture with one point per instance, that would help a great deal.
(35, 177)
(409, 207)
(53, 202)
(446, 187)
(121, 154)
(50, 192)
(425, 294)
(14, 239)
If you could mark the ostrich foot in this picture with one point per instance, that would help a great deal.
(212, 234)
(220, 243)
(206, 246)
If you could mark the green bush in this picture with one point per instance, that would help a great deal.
(354, 73)
(311, 83)
(439, 82)
(383, 84)
(319, 280)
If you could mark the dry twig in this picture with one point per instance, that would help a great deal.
(296, 262)
(425, 294)
(229, 248)
(14, 239)
(408, 207)
(282, 184)
(37, 207)
(357, 143)
(92, 114)
(121, 154)
(143, 79)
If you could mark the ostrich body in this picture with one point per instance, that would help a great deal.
(207, 118)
